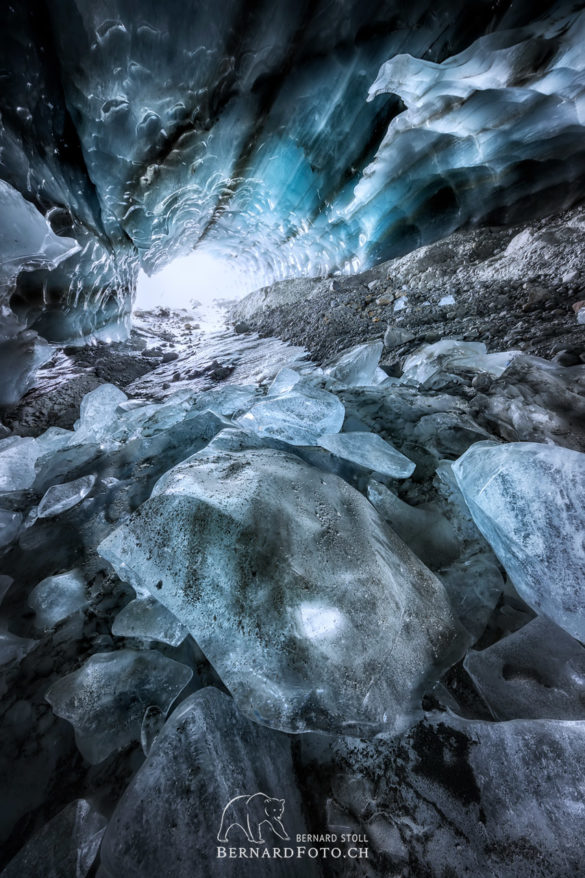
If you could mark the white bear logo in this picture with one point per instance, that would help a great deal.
(249, 813)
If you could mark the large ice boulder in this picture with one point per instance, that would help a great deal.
(527, 500)
(313, 612)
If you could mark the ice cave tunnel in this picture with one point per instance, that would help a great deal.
(292, 439)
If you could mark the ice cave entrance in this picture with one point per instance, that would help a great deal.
(202, 283)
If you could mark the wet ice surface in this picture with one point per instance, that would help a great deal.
(245, 358)
(338, 551)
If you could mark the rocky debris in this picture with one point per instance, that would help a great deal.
(510, 288)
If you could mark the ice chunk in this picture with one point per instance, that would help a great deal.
(451, 355)
(13, 648)
(106, 698)
(462, 561)
(332, 623)
(53, 440)
(10, 524)
(66, 846)
(284, 381)
(527, 500)
(428, 533)
(149, 620)
(537, 672)
(228, 401)
(96, 414)
(57, 597)
(18, 455)
(171, 816)
(298, 417)
(60, 498)
(358, 366)
(370, 451)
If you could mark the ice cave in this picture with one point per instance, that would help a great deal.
(292, 439)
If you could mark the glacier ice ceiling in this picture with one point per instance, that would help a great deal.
(289, 139)
(292, 439)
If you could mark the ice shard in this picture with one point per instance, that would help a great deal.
(526, 499)
(60, 498)
(147, 619)
(57, 597)
(106, 698)
(66, 845)
(370, 451)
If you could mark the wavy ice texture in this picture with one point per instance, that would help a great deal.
(244, 131)
(482, 133)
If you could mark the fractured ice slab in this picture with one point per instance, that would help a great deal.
(452, 355)
(370, 451)
(428, 533)
(57, 597)
(106, 698)
(207, 755)
(66, 846)
(97, 413)
(228, 401)
(147, 619)
(358, 366)
(527, 500)
(284, 381)
(537, 672)
(60, 498)
(300, 416)
(314, 613)
(18, 455)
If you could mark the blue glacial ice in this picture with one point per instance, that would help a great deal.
(147, 619)
(537, 672)
(206, 754)
(106, 698)
(370, 451)
(299, 416)
(57, 597)
(526, 499)
(332, 623)
(357, 366)
(66, 845)
(18, 455)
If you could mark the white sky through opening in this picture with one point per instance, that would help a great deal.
(199, 283)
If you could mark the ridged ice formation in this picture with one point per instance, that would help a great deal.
(297, 139)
